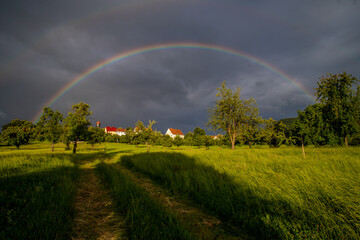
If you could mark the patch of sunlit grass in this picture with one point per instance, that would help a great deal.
(273, 193)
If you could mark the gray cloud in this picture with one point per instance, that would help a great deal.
(44, 45)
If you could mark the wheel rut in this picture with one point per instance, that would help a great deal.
(203, 225)
(95, 217)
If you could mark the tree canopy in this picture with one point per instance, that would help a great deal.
(17, 132)
(50, 125)
(338, 98)
(77, 123)
(232, 114)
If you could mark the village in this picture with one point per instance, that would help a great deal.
(122, 132)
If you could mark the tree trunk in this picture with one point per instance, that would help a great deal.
(52, 147)
(92, 147)
(75, 145)
(232, 144)
(346, 141)
(302, 146)
(147, 147)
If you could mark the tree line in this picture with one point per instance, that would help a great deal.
(333, 120)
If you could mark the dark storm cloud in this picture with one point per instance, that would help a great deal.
(44, 45)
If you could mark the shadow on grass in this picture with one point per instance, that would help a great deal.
(232, 202)
(37, 205)
(82, 158)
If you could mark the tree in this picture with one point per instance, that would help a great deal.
(50, 126)
(274, 132)
(198, 137)
(199, 132)
(96, 136)
(146, 133)
(17, 132)
(189, 139)
(336, 93)
(178, 141)
(232, 114)
(77, 123)
(311, 128)
(167, 141)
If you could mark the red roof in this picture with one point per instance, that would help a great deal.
(98, 122)
(121, 130)
(176, 131)
(110, 129)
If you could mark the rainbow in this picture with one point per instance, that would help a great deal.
(157, 47)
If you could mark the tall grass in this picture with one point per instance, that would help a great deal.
(36, 195)
(272, 193)
(146, 219)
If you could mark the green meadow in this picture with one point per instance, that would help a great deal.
(261, 192)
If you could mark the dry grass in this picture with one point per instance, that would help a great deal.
(94, 216)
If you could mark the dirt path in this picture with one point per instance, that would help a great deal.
(95, 217)
(203, 225)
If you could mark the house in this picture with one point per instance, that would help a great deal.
(174, 132)
(111, 130)
(114, 130)
(217, 137)
(121, 131)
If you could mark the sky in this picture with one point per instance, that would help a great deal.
(163, 60)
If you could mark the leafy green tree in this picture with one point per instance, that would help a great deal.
(77, 123)
(112, 137)
(167, 141)
(355, 137)
(198, 137)
(251, 130)
(17, 132)
(207, 141)
(311, 128)
(199, 131)
(178, 141)
(189, 139)
(50, 126)
(336, 93)
(65, 137)
(232, 114)
(146, 132)
(157, 138)
(96, 136)
(274, 132)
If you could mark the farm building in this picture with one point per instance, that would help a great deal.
(111, 130)
(121, 131)
(174, 132)
(114, 130)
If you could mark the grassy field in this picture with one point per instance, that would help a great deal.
(267, 193)
(37, 190)
(270, 193)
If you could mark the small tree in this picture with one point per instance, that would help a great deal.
(146, 133)
(17, 132)
(198, 137)
(231, 114)
(189, 139)
(77, 122)
(178, 141)
(96, 136)
(274, 132)
(167, 141)
(50, 126)
(207, 141)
